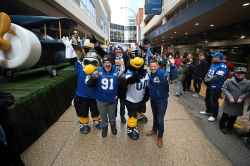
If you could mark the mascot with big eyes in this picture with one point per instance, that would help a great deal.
(136, 95)
(84, 100)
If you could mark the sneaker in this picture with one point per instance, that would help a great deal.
(123, 119)
(104, 132)
(204, 113)
(113, 129)
(211, 119)
(84, 128)
(195, 95)
(133, 133)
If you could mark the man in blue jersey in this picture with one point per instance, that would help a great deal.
(106, 81)
(158, 93)
(84, 100)
(214, 80)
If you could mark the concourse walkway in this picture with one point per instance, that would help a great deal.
(184, 144)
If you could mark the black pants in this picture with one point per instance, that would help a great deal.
(211, 100)
(134, 108)
(122, 108)
(187, 83)
(197, 85)
(227, 121)
(84, 105)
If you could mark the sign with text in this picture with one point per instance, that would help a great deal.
(153, 7)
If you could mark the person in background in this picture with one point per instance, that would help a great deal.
(120, 60)
(179, 80)
(75, 39)
(147, 51)
(236, 90)
(214, 80)
(172, 69)
(199, 73)
(230, 67)
(188, 72)
(158, 92)
(178, 59)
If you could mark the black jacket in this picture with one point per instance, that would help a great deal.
(200, 70)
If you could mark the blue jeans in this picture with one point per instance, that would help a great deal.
(159, 108)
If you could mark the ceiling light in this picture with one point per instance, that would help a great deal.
(246, 4)
(211, 25)
(185, 33)
(242, 37)
(197, 24)
(175, 32)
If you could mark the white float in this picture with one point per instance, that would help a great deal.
(25, 49)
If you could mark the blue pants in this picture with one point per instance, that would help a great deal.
(159, 108)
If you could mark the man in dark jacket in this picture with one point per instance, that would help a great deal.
(199, 72)
(158, 92)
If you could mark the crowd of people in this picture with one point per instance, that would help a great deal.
(133, 77)
(222, 80)
(129, 78)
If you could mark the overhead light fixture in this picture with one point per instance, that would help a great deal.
(197, 24)
(175, 32)
(211, 25)
(246, 4)
(185, 33)
(242, 37)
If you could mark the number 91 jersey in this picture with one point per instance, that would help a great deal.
(136, 91)
(107, 85)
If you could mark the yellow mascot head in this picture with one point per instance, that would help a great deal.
(90, 62)
(136, 61)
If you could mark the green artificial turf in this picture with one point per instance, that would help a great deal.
(31, 85)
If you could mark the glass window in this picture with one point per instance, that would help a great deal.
(88, 4)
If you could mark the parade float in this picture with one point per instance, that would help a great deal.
(26, 49)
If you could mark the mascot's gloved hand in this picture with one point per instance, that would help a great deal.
(93, 79)
(134, 78)
(95, 74)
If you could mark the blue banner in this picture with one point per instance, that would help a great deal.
(153, 7)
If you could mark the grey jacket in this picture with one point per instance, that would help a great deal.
(235, 90)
